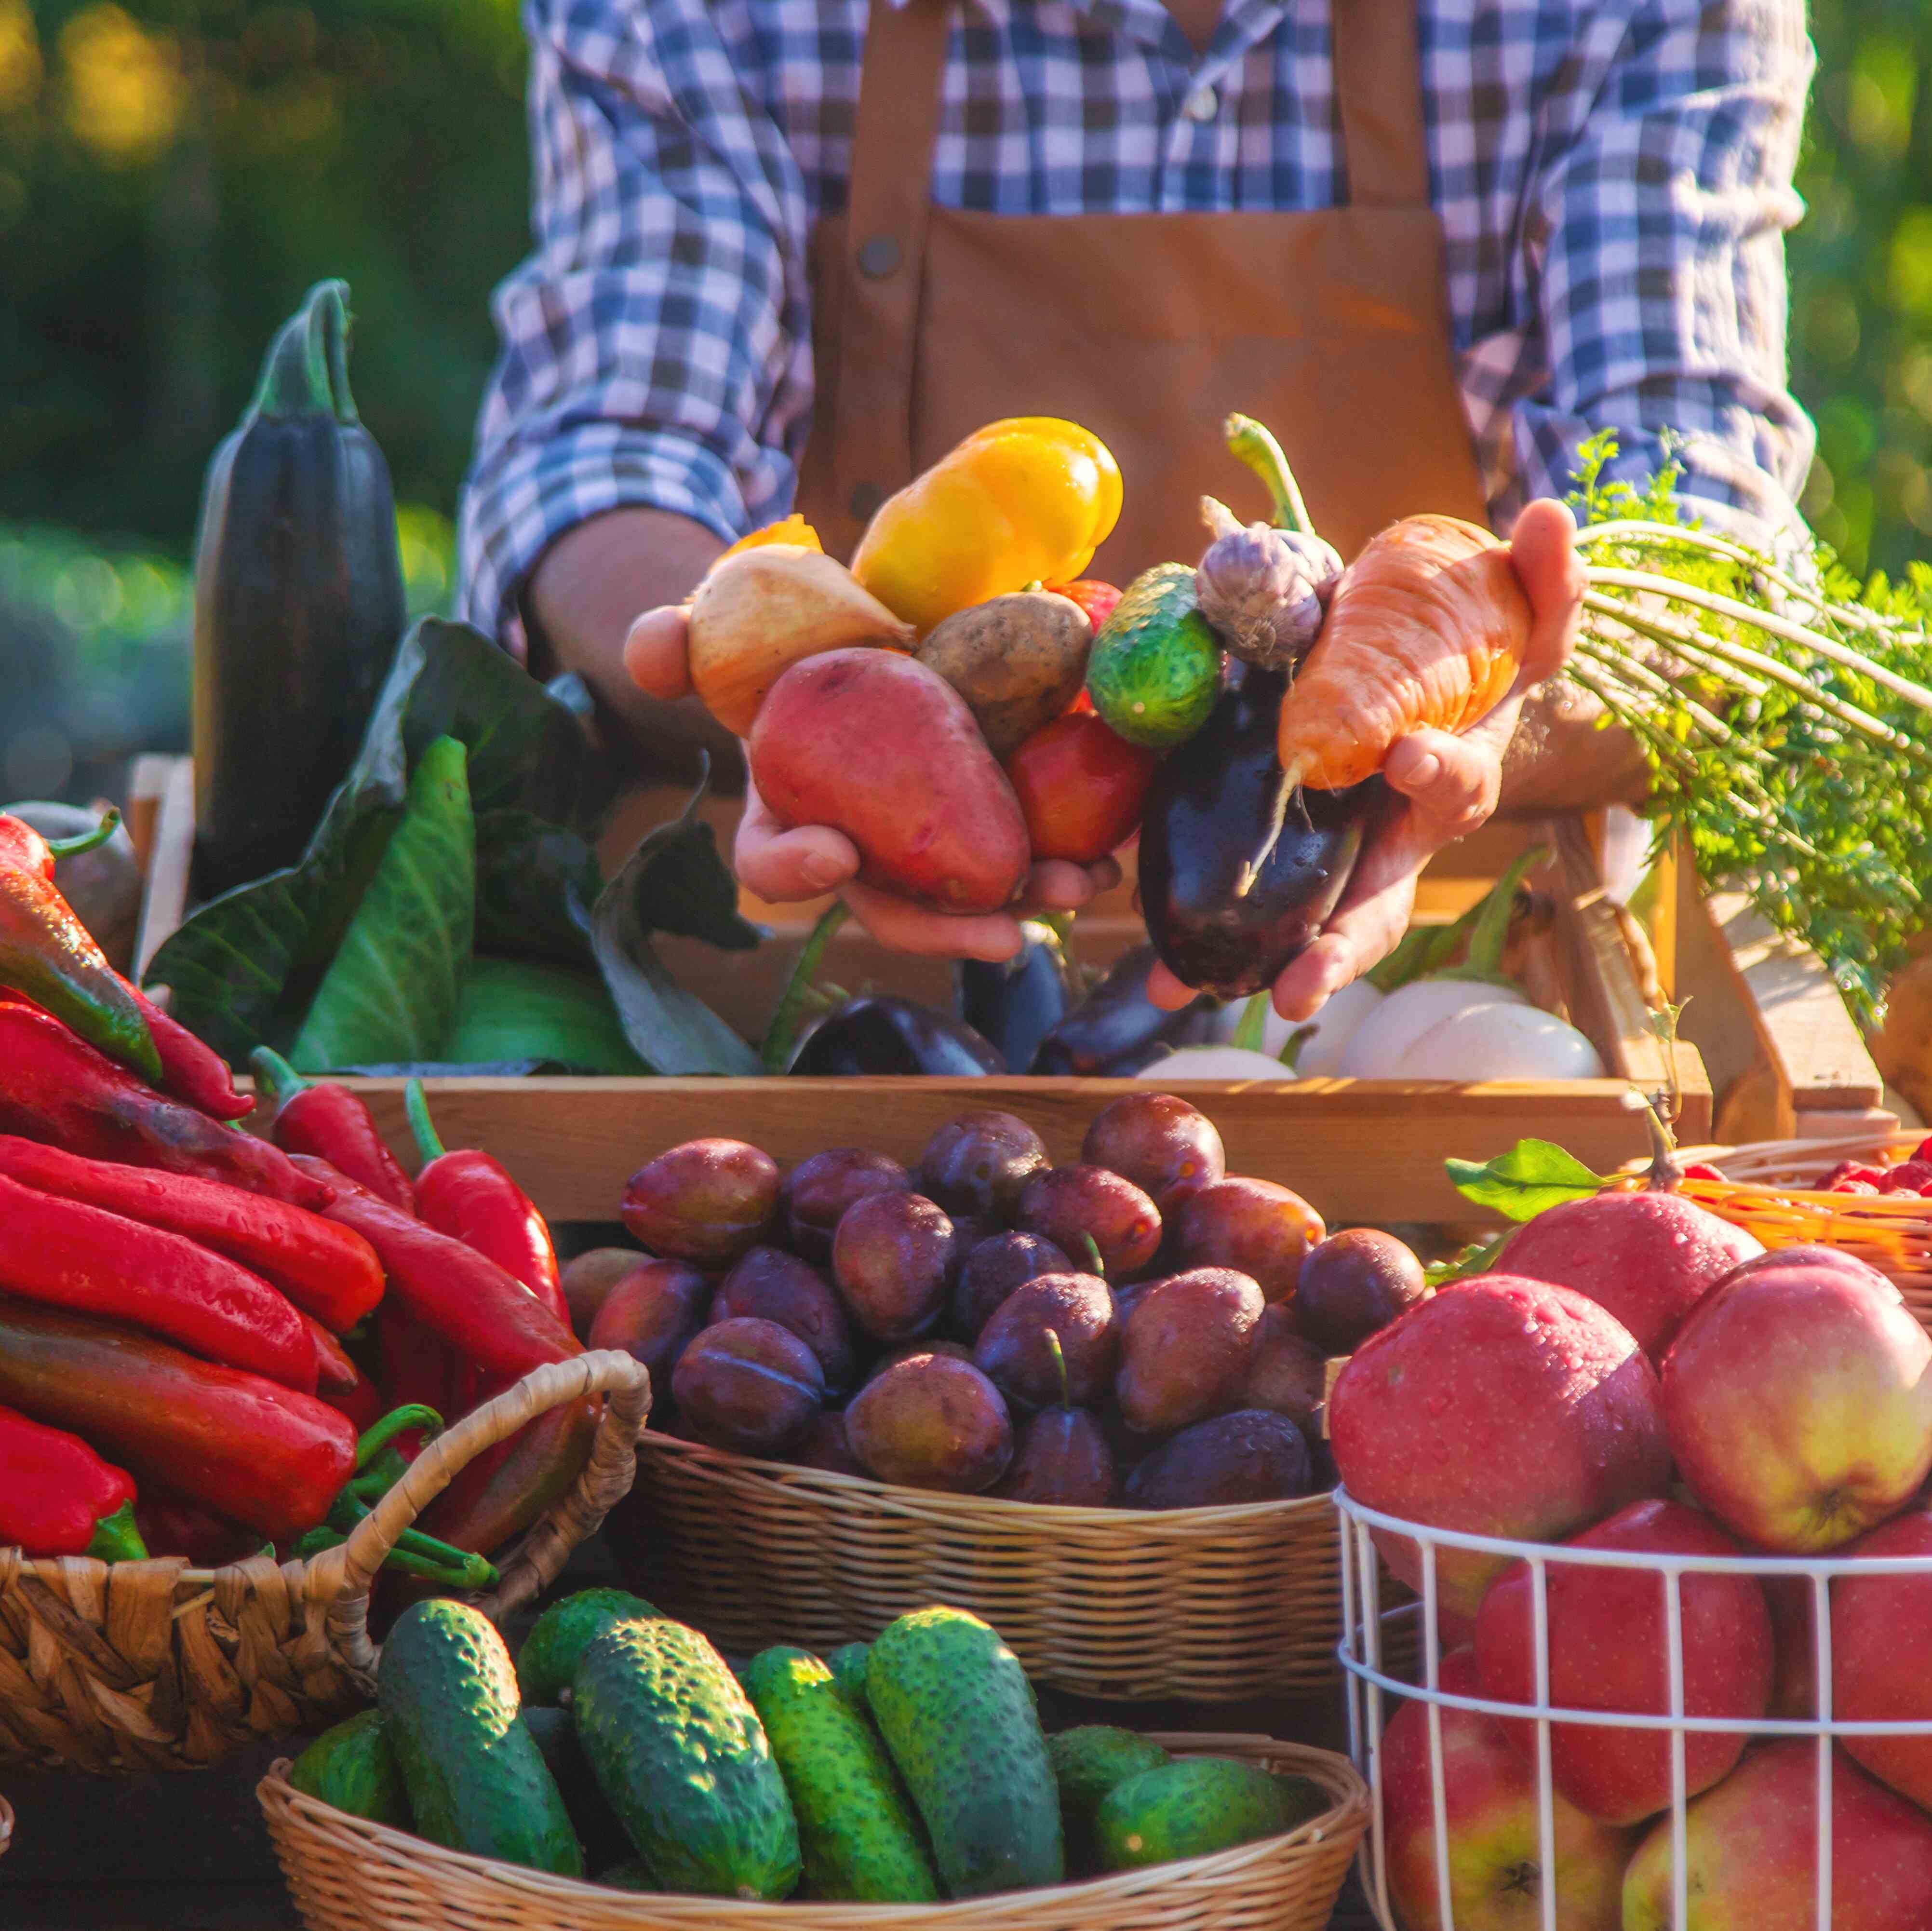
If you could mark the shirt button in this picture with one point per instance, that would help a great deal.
(878, 257)
(1203, 104)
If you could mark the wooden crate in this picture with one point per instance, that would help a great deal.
(1360, 1150)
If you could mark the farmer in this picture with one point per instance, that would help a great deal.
(788, 251)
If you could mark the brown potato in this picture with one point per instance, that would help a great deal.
(885, 750)
(1019, 661)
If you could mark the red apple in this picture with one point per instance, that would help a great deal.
(1608, 1651)
(1752, 1847)
(1794, 1673)
(1498, 1407)
(1798, 1402)
(1495, 1860)
(1879, 1626)
(1648, 1257)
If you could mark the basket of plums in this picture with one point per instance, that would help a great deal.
(1084, 1402)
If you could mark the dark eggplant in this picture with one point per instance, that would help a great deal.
(1117, 1029)
(1015, 1002)
(878, 1034)
(1222, 916)
(299, 603)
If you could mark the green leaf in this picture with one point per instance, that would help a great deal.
(245, 967)
(672, 883)
(1476, 1258)
(1534, 1174)
(390, 992)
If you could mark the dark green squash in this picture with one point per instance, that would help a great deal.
(299, 603)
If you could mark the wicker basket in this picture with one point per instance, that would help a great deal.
(348, 1875)
(1769, 1192)
(141, 1666)
(1205, 1604)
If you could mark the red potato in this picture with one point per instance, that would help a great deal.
(885, 750)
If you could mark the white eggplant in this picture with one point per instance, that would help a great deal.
(1342, 1015)
(1383, 1042)
(1214, 1062)
(1502, 1040)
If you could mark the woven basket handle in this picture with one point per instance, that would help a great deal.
(340, 1578)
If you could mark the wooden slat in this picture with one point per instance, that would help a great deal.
(1363, 1150)
(171, 851)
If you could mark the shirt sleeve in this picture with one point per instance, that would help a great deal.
(1654, 250)
(656, 346)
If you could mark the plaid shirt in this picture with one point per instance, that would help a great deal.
(1614, 177)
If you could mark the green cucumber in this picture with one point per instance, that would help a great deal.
(1190, 1808)
(682, 1759)
(352, 1767)
(861, 1841)
(476, 1780)
(958, 1715)
(1155, 668)
(848, 1665)
(549, 1657)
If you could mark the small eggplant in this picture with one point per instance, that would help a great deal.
(878, 1034)
(1117, 1029)
(1015, 1002)
(1236, 871)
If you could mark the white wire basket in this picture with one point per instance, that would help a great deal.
(1373, 1633)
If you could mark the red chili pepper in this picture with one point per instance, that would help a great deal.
(489, 1317)
(172, 1525)
(21, 844)
(504, 1490)
(418, 1369)
(363, 1404)
(56, 1088)
(469, 1195)
(58, 1498)
(48, 954)
(326, 1121)
(62, 1254)
(190, 1070)
(259, 1453)
(335, 1374)
(325, 1270)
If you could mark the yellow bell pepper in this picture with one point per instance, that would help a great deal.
(793, 529)
(1025, 501)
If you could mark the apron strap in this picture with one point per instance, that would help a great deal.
(1378, 93)
(891, 191)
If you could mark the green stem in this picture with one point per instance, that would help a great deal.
(1292, 1052)
(116, 1538)
(781, 1035)
(397, 1421)
(306, 372)
(429, 1142)
(464, 1569)
(1060, 1367)
(86, 841)
(1251, 1035)
(1490, 932)
(273, 1071)
(1251, 443)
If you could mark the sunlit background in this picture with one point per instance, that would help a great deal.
(175, 173)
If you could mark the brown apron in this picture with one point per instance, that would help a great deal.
(1332, 326)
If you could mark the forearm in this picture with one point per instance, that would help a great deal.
(579, 605)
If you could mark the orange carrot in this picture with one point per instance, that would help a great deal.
(1426, 628)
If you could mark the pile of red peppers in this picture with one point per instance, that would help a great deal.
(213, 1342)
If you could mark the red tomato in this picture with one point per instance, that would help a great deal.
(1080, 788)
(1097, 599)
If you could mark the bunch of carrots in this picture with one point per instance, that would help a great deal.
(211, 1342)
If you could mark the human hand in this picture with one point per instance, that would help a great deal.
(1446, 785)
(783, 864)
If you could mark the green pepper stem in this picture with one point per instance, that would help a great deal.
(274, 1072)
(1251, 443)
(116, 1538)
(774, 1053)
(86, 841)
(415, 1103)
(397, 1421)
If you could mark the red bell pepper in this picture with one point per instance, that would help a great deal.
(58, 1498)
(172, 1525)
(469, 1195)
(63, 1254)
(326, 1121)
(488, 1316)
(48, 954)
(58, 1089)
(325, 1270)
(232, 1442)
